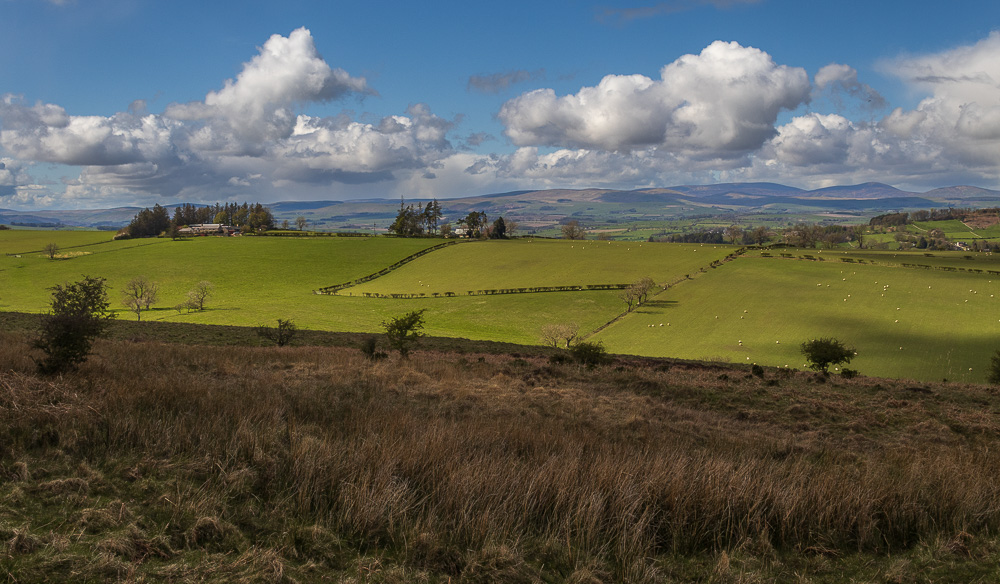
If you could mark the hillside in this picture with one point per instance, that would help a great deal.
(546, 208)
(165, 462)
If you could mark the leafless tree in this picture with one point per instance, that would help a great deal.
(198, 296)
(560, 334)
(51, 250)
(139, 294)
(572, 230)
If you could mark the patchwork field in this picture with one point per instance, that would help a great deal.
(909, 315)
(904, 322)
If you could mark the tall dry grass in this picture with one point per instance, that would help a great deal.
(500, 466)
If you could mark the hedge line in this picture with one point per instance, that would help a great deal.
(384, 271)
(492, 291)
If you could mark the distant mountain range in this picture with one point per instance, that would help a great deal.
(596, 205)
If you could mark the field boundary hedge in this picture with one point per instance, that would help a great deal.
(338, 287)
(493, 291)
(870, 262)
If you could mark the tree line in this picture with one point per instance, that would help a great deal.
(424, 220)
(157, 221)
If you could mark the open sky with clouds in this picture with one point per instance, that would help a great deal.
(134, 102)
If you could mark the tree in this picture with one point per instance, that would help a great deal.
(475, 223)
(512, 227)
(760, 235)
(637, 292)
(403, 331)
(734, 232)
(557, 334)
(499, 230)
(139, 294)
(198, 296)
(280, 335)
(301, 222)
(821, 353)
(445, 229)
(51, 249)
(79, 314)
(572, 230)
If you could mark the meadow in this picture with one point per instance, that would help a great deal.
(904, 322)
(917, 315)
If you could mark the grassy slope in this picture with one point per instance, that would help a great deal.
(525, 263)
(161, 462)
(947, 321)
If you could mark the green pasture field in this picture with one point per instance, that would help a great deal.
(917, 323)
(955, 230)
(260, 279)
(538, 262)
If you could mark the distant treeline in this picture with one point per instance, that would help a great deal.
(900, 219)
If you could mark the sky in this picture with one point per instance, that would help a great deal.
(108, 103)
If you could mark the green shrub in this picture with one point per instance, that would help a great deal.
(848, 373)
(821, 353)
(994, 371)
(79, 315)
(757, 370)
(590, 354)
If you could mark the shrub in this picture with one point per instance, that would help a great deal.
(404, 331)
(590, 354)
(757, 370)
(994, 370)
(281, 335)
(560, 359)
(821, 353)
(79, 315)
(848, 373)
(369, 347)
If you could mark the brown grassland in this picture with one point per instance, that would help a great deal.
(175, 462)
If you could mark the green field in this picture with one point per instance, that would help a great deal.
(904, 322)
(525, 263)
(925, 316)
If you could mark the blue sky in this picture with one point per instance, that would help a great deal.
(122, 102)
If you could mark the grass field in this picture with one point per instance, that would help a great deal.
(258, 280)
(904, 322)
(525, 263)
(925, 316)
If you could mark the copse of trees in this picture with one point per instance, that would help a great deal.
(156, 221)
(413, 222)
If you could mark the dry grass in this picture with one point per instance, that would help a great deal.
(278, 464)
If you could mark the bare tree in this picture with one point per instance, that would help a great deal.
(301, 222)
(734, 232)
(51, 250)
(572, 230)
(198, 296)
(139, 294)
(559, 334)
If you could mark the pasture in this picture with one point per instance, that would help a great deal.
(538, 262)
(909, 315)
(905, 322)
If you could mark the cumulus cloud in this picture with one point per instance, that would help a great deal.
(498, 82)
(951, 136)
(259, 104)
(719, 104)
(248, 135)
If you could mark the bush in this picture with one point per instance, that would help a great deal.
(560, 359)
(590, 354)
(369, 347)
(79, 315)
(757, 370)
(404, 331)
(848, 373)
(280, 335)
(821, 353)
(994, 371)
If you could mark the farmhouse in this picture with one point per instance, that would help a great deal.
(207, 229)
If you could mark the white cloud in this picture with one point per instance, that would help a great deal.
(720, 104)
